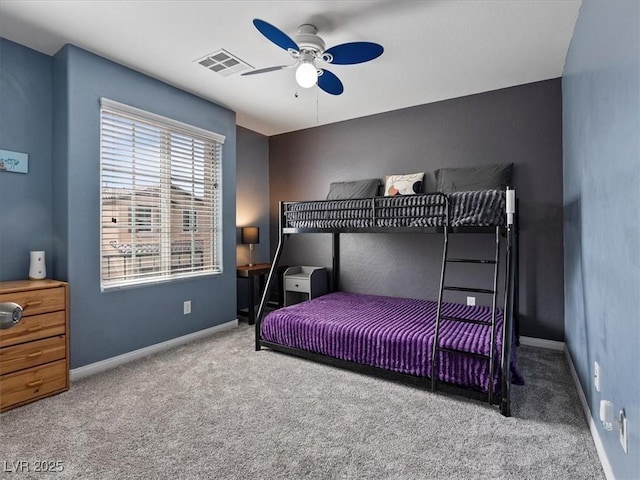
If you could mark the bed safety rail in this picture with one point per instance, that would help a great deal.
(411, 211)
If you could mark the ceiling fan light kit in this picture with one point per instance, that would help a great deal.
(306, 75)
(309, 48)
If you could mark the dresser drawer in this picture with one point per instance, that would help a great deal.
(31, 354)
(296, 284)
(34, 328)
(35, 302)
(33, 383)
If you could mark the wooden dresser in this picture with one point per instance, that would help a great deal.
(34, 353)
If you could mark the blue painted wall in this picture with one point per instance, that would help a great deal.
(59, 175)
(601, 113)
(107, 324)
(252, 200)
(25, 126)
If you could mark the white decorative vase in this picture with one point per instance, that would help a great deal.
(37, 268)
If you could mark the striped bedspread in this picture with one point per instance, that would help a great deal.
(391, 333)
(477, 208)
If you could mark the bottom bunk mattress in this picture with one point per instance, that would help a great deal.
(394, 334)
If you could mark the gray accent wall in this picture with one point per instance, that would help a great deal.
(107, 324)
(25, 126)
(521, 124)
(252, 199)
(601, 109)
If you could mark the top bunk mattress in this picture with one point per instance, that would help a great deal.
(481, 208)
(392, 333)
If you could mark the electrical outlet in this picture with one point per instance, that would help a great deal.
(596, 375)
(186, 308)
(471, 301)
(623, 430)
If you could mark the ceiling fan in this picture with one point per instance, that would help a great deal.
(308, 48)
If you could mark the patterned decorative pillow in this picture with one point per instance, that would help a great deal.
(409, 184)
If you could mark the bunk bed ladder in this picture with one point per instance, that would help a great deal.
(440, 317)
(272, 276)
(436, 343)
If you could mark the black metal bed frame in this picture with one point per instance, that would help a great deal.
(509, 231)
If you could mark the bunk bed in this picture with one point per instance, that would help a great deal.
(444, 346)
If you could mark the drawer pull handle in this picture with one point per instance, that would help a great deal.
(32, 303)
(35, 354)
(35, 328)
(34, 383)
(297, 285)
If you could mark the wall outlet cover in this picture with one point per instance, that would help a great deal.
(186, 309)
(471, 301)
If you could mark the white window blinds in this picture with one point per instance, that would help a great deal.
(161, 202)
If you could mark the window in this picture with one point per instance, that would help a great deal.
(140, 219)
(160, 198)
(189, 221)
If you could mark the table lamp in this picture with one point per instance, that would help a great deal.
(251, 236)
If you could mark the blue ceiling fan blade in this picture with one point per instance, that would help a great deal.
(276, 35)
(330, 83)
(265, 70)
(354, 52)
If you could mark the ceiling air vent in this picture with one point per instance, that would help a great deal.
(224, 63)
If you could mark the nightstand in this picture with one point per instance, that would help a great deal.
(250, 272)
(261, 271)
(304, 283)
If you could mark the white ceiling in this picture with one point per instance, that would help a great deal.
(434, 49)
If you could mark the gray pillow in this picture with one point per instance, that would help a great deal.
(356, 189)
(486, 177)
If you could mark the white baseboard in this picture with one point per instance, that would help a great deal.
(602, 454)
(542, 343)
(113, 362)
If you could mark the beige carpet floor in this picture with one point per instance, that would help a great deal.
(216, 409)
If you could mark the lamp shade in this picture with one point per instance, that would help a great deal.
(250, 235)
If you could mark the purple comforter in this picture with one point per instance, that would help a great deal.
(392, 333)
